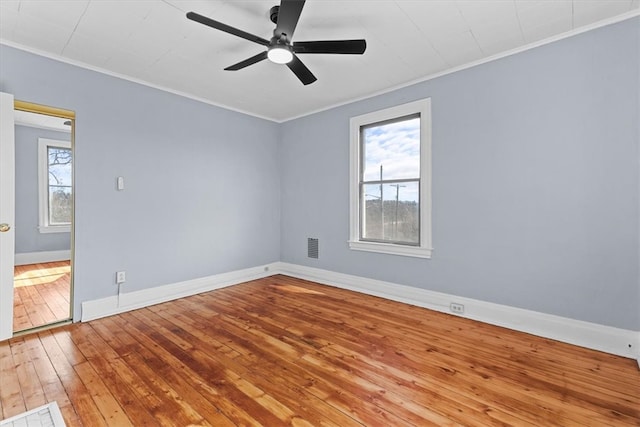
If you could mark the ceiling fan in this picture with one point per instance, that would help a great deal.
(280, 48)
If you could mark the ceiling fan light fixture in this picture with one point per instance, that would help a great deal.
(280, 48)
(280, 54)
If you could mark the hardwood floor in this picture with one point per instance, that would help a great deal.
(282, 351)
(41, 294)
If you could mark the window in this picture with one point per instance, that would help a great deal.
(55, 178)
(391, 180)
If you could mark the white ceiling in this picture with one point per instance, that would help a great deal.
(151, 41)
(42, 121)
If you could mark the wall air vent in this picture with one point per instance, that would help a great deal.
(312, 248)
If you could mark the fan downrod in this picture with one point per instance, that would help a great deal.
(273, 14)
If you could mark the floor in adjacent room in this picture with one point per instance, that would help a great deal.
(41, 294)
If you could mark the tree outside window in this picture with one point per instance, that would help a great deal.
(59, 173)
(55, 159)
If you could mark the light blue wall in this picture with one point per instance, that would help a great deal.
(28, 238)
(202, 183)
(535, 182)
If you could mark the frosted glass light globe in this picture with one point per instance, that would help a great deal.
(279, 55)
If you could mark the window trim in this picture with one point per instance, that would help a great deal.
(43, 185)
(422, 107)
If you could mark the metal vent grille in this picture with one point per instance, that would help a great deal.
(312, 248)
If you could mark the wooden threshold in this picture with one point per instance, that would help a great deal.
(284, 351)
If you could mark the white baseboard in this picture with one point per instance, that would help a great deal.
(621, 342)
(40, 257)
(127, 301)
(608, 339)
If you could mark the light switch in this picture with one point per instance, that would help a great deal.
(120, 183)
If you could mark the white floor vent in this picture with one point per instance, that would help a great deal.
(45, 416)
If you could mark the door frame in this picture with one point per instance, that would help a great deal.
(7, 200)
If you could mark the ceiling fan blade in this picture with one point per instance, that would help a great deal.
(288, 16)
(301, 71)
(249, 61)
(353, 47)
(226, 28)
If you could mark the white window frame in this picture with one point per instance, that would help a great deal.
(43, 185)
(422, 107)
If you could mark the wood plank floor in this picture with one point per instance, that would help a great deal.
(282, 351)
(41, 294)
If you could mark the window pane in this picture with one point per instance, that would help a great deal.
(391, 150)
(371, 219)
(59, 205)
(392, 216)
(59, 166)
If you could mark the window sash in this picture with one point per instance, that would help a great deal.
(362, 182)
(52, 187)
(51, 221)
(362, 212)
(47, 222)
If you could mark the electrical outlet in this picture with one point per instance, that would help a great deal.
(120, 277)
(456, 308)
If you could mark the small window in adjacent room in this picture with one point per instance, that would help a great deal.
(55, 178)
(391, 180)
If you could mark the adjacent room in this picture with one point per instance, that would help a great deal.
(342, 213)
(42, 273)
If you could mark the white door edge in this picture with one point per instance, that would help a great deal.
(7, 213)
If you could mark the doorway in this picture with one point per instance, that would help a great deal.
(42, 283)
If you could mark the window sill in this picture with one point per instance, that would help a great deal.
(391, 249)
(45, 229)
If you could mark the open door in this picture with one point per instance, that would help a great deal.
(38, 288)
(7, 214)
